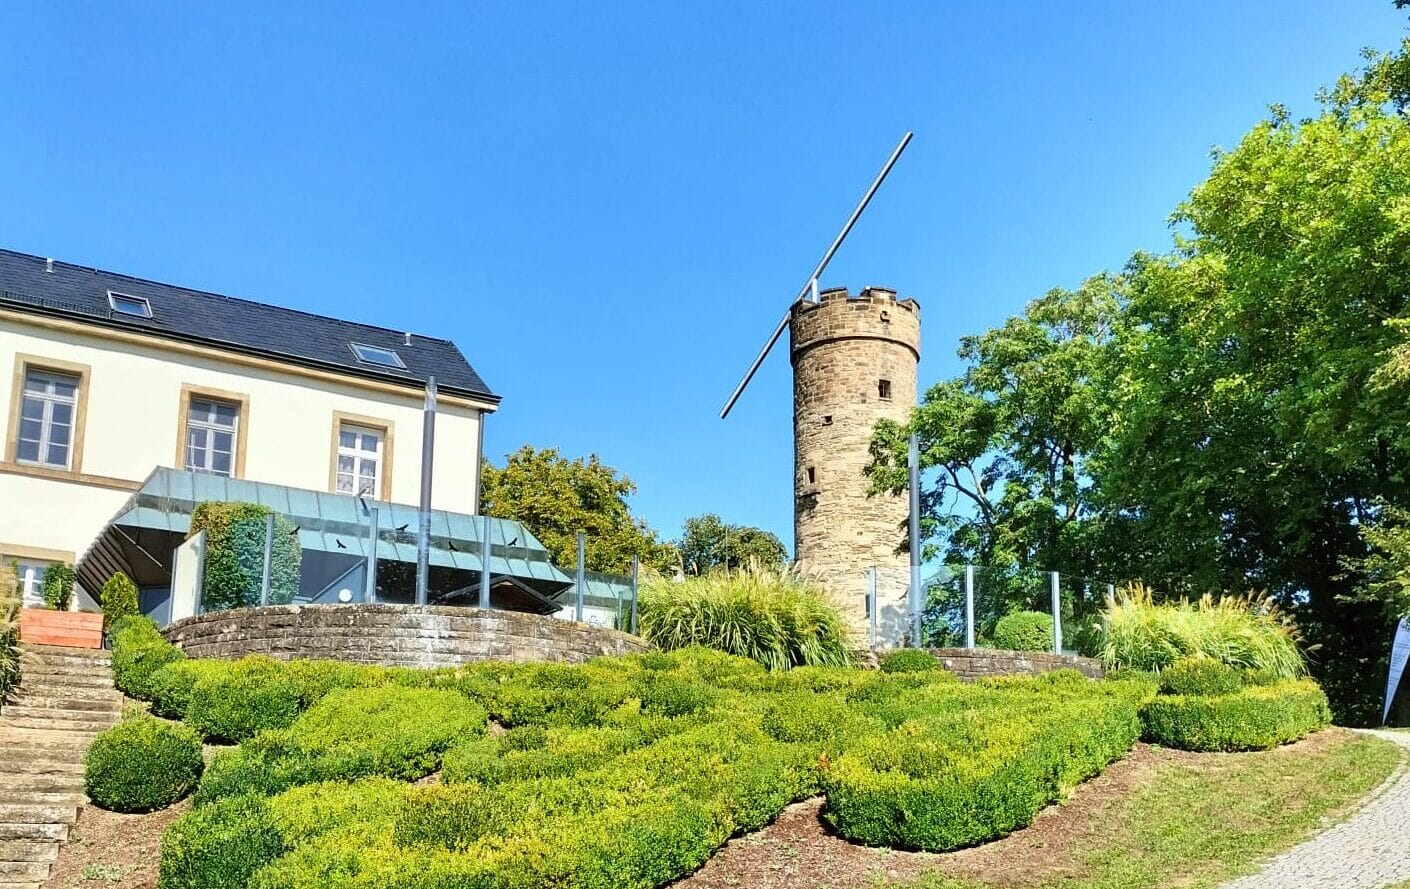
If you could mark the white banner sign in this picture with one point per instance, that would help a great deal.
(1399, 656)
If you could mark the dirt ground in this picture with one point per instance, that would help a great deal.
(106, 849)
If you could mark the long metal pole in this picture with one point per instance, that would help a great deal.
(582, 577)
(264, 583)
(810, 286)
(913, 464)
(1057, 612)
(871, 607)
(485, 563)
(369, 592)
(636, 582)
(969, 606)
(428, 452)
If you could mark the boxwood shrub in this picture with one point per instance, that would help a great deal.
(1199, 675)
(1255, 718)
(908, 660)
(248, 695)
(956, 780)
(141, 764)
(1023, 631)
(386, 731)
(139, 651)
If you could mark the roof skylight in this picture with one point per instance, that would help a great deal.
(377, 355)
(125, 304)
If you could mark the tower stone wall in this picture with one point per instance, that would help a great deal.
(854, 363)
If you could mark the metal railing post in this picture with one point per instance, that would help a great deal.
(485, 530)
(871, 607)
(268, 559)
(369, 591)
(1057, 612)
(969, 606)
(582, 576)
(636, 569)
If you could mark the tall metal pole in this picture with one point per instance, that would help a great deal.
(871, 607)
(428, 453)
(969, 606)
(369, 592)
(268, 559)
(485, 563)
(1057, 612)
(913, 463)
(810, 286)
(582, 576)
(636, 570)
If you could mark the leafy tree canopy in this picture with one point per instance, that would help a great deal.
(556, 497)
(1231, 415)
(708, 542)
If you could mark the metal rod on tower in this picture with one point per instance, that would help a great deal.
(423, 537)
(913, 467)
(809, 287)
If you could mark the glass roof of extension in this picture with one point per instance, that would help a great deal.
(338, 523)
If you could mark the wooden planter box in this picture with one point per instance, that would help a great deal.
(76, 629)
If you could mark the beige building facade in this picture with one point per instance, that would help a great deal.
(90, 407)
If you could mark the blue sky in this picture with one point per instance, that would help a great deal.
(608, 206)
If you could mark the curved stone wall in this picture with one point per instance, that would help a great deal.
(972, 663)
(395, 635)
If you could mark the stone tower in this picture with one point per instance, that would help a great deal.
(854, 363)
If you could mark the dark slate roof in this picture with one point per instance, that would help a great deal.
(81, 294)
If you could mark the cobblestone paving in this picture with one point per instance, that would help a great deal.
(1370, 850)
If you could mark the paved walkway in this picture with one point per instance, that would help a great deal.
(1370, 850)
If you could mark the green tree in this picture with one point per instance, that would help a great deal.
(708, 542)
(556, 497)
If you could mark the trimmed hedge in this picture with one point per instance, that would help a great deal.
(953, 781)
(1199, 675)
(249, 695)
(1255, 718)
(141, 764)
(908, 660)
(1023, 631)
(118, 599)
(139, 651)
(234, 559)
(354, 733)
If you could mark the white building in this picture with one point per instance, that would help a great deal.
(114, 376)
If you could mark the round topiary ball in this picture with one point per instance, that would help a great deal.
(142, 764)
(908, 660)
(1024, 631)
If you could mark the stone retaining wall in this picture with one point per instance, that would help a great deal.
(971, 663)
(395, 635)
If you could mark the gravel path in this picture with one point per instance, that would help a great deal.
(1370, 850)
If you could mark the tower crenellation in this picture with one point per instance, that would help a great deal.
(854, 363)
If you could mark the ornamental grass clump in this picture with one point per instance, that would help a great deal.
(773, 617)
(1244, 632)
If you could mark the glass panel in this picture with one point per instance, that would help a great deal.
(370, 441)
(65, 388)
(36, 384)
(224, 415)
(220, 463)
(345, 483)
(347, 439)
(369, 468)
(345, 463)
(223, 441)
(30, 429)
(59, 433)
(28, 451)
(32, 409)
(58, 455)
(62, 413)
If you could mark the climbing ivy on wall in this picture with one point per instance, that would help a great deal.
(234, 555)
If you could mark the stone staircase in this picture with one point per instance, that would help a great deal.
(64, 698)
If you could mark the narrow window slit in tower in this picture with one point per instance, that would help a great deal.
(827, 420)
(812, 476)
(883, 389)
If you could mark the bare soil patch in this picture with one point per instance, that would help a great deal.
(114, 851)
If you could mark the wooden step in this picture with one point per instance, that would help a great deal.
(24, 870)
(50, 782)
(32, 680)
(32, 703)
(79, 726)
(36, 813)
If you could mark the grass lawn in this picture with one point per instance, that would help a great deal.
(1192, 820)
